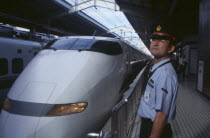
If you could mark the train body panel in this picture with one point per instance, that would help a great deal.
(62, 73)
(17, 126)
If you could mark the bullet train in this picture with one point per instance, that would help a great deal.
(15, 54)
(68, 89)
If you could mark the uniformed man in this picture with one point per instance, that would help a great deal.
(158, 101)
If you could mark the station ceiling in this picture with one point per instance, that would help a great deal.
(144, 14)
(48, 16)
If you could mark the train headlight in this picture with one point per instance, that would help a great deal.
(66, 109)
(6, 105)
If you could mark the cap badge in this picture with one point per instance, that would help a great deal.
(158, 28)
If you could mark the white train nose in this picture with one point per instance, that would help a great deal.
(17, 126)
(36, 92)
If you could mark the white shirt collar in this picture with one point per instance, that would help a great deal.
(159, 63)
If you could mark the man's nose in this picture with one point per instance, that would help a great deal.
(155, 42)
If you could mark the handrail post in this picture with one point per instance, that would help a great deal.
(114, 125)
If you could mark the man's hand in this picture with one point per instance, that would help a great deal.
(158, 124)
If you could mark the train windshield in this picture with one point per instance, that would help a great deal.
(106, 47)
(61, 44)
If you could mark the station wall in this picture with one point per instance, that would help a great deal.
(204, 42)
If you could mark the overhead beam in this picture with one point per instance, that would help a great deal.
(64, 4)
(88, 4)
(82, 15)
(31, 24)
(136, 10)
(122, 28)
(95, 3)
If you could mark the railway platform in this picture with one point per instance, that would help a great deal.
(192, 117)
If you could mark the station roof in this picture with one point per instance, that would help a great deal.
(48, 16)
(143, 14)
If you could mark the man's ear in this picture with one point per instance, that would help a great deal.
(171, 48)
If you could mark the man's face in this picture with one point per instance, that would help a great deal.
(161, 48)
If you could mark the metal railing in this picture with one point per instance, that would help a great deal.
(124, 113)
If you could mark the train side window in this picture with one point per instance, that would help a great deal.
(17, 65)
(19, 51)
(3, 66)
(107, 47)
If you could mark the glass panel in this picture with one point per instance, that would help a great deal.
(107, 47)
(82, 44)
(17, 65)
(3, 66)
(62, 44)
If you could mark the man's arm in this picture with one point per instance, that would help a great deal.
(158, 125)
